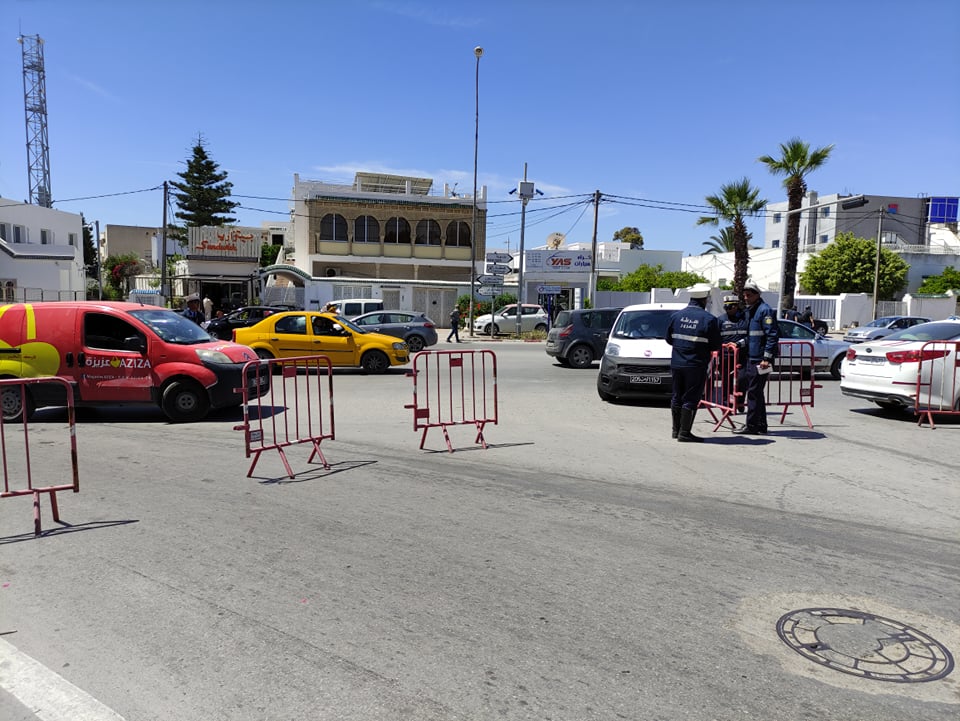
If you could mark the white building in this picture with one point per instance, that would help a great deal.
(42, 253)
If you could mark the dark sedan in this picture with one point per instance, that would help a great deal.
(415, 328)
(222, 328)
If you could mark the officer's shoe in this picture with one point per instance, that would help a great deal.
(686, 422)
(676, 422)
(750, 431)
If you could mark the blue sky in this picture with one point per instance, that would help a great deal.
(647, 101)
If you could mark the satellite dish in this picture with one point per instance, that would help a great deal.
(555, 240)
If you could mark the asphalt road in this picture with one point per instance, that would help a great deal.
(583, 566)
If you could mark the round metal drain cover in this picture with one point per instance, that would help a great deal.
(864, 645)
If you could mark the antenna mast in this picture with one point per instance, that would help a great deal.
(35, 105)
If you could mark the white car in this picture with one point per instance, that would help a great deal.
(886, 371)
(504, 320)
(882, 327)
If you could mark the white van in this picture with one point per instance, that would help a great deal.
(352, 307)
(636, 359)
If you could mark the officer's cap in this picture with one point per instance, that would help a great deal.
(192, 297)
(750, 285)
(731, 300)
(700, 290)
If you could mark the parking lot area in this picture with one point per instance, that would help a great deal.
(582, 566)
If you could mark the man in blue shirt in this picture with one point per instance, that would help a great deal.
(694, 335)
(193, 311)
(733, 330)
(763, 337)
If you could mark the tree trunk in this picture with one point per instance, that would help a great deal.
(795, 192)
(741, 256)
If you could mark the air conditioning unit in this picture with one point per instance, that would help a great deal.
(331, 270)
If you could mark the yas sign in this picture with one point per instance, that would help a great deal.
(559, 261)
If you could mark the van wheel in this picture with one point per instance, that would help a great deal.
(185, 401)
(375, 361)
(580, 356)
(13, 400)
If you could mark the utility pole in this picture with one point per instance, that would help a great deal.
(876, 268)
(99, 269)
(525, 191)
(593, 249)
(164, 289)
(478, 52)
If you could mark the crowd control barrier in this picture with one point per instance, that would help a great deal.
(938, 376)
(795, 378)
(297, 408)
(454, 388)
(721, 394)
(19, 472)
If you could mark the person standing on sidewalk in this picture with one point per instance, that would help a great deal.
(694, 335)
(763, 337)
(454, 325)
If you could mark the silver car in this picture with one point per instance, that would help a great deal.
(415, 328)
(882, 327)
(828, 352)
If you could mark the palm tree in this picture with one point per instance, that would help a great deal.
(722, 243)
(796, 161)
(735, 201)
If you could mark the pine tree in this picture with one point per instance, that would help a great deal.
(204, 193)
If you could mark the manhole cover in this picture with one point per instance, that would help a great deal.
(864, 645)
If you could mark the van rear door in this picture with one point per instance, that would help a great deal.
(109, 366)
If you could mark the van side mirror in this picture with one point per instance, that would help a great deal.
(134, 342)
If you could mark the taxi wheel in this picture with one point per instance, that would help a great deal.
(375, 361)
(415, 343)
(185, 401)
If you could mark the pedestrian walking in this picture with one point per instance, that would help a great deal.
(694, 335)
(454, 325)
(806, 318)
(763, 336)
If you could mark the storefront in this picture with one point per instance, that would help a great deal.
(222, 264)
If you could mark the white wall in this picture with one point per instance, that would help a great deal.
(60, 265)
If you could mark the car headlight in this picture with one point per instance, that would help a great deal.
(206, 355)
(612, 349)
(399, 346)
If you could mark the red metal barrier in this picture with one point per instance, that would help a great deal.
(795, 379)
(15, 391)
(454, 388)
(298, 408)
(720, 392)
(938, 378)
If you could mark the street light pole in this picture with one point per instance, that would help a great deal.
(478, 52)
(526, 191)
(99, 269)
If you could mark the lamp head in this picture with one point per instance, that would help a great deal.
(478, 51)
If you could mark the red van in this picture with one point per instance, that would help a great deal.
(118, 353)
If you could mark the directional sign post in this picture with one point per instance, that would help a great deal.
(499, 257)
(490, 279)
(490, 290)
(498, 268)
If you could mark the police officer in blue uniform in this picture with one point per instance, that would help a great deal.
(694, 334)
(193, 311)
(733, 329)
(763, 336)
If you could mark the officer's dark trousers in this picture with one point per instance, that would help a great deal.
(688, 387)
(755, 386)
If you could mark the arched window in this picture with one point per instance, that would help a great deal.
(397, 231)
(428, 233)
(458, 234)
(333, 227)
(366, 229)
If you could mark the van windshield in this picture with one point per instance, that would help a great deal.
(172, 327)
(642, 324)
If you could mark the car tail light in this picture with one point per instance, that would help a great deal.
(429, 325)
(851, 354)
(914, 356)
(565, 333)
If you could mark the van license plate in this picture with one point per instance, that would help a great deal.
(645, 379)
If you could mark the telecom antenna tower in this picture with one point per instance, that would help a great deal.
(35, 104)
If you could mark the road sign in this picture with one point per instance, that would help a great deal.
(490, 280)
(499, 257)
(490, 290)
(498, 269)
(548, 289)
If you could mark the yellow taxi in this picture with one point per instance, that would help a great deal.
(298, 333)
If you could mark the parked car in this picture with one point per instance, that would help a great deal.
(885, 371)
(636, 358)
(504, 320)
(354, 307)
(415, 328)
(297, 333)
(828, 353)
(882, 327)
(578, 337)
(222, 328)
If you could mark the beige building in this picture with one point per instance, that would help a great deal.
(386, 226)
